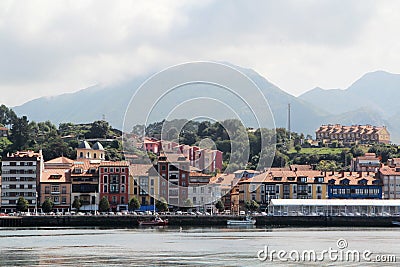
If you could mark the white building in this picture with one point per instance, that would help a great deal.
(21, 173)
(202, 193)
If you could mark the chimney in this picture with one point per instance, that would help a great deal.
(359, 174)
(342, 174)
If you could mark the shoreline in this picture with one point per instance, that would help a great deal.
(190, 220)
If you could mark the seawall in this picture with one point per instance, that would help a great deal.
(179, 220)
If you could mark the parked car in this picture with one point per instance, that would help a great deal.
(242, 213)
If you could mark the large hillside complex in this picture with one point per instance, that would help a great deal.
(356, 134)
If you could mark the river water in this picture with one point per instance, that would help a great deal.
(193, 246)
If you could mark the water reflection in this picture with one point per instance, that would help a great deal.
(169, 246)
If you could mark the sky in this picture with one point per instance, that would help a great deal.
(54, 47)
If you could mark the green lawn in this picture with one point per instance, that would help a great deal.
(317, 151)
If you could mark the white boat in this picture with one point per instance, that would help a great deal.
(396, 223)
(247, 221)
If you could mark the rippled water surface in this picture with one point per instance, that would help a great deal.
(186, 247)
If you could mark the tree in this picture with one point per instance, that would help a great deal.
(22, 204)
(47, 205)
(76, 204)
(327, 165)
(99, 129)
(4, 144)
(161, 205)
(134, 204)
(188, 203)
(220, 206)
(252, 205)
(297, 148)
(20, 133)
(104, 205)
(7, 116)
(187, 138)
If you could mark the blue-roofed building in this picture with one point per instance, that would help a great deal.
(354, 185)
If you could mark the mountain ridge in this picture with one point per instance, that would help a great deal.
(309, 110)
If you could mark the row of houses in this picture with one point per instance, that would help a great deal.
(89, 178)
(355, 134)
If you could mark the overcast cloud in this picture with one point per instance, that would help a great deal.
(54, 47)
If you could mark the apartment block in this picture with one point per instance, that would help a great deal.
(21, 173)
(114, 183)
(144, 184)
(356, 134)
(174, 178)
(55, 183)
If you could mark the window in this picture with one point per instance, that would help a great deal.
(123, 179)
(163, 167)
(55, 189)
(105, 189)
(194, 189)
(64, 200)
(56, 199)
(114, 188)
(116, 169)
(122, 200)
(152, 182)
(122, 188)
(105, 169)
(95, 155)
(111, 169)
(64, 190)
(105, 179)
(114, 199)
(114, 179)
(47, 190)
